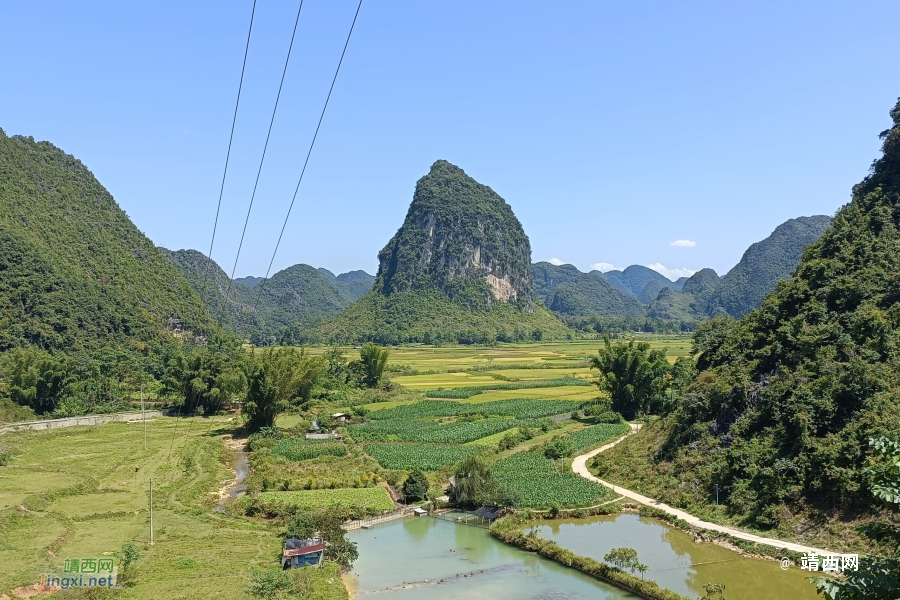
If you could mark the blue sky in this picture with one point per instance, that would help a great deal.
(613, 129)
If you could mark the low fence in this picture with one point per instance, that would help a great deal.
(463, 518)
(399, 513)
(86, 420)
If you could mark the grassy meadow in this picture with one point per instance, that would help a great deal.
(83, 492)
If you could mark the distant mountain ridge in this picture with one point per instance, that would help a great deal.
(641, 291)
(294, 298)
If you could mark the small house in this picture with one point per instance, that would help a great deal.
(302, 553)
(418, 511)
(342, 417)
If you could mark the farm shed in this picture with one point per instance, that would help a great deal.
(302, 553)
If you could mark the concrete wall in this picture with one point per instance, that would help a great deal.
(86, 420)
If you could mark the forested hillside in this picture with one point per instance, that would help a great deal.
(293, 299)
(568, 291)
(788, 397)
(764, 264)
(75, 273)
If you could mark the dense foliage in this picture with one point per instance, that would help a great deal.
(791, 392)
(635, 377)
(877, 578)
(416, 486)
(75, 273)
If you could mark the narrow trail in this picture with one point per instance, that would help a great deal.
(579, 465)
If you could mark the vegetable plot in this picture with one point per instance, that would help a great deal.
(373, 498)
(427, 457)
(538, 484)
(302, 449)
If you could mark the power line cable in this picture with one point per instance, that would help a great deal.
(228, 154)
(308, 154)
(263, 157)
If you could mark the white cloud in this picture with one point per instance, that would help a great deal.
(683, 243)
(672, 274)
(602, 267)
(556, 261)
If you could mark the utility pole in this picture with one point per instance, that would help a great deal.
(151, 511)
(143, 414)
(717, 495)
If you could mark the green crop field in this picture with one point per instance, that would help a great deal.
(408, 430)
(520, 408)
(427, 457)
(538, 484)
(596, 435)
(303, 449)
(375, 498)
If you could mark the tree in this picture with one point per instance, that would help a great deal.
(625, 558)
(203, 379)
(275, 379)
(372, 361)
(34, 378)
(416, 485)
(714, 591)
(632, 374)
(474, 484)
(877, 578)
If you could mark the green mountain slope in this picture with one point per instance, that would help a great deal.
(458, 269)
(294, 298)
(764, 264)
(75, 273)
(353, 285)
(634, 279)
(788, 396)
(462, 238)
(568, 291)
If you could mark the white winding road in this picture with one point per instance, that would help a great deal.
(579, 465)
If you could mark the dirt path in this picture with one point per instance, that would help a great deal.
(579, 465)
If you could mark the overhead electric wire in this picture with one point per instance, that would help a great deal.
(228, 154)
(262, 159)
(308, 154)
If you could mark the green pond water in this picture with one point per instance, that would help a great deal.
(678, 563)
(423, 558)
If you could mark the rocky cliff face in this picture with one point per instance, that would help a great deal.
(463, 238)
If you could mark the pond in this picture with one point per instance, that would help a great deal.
(677, 562)
(422, 557)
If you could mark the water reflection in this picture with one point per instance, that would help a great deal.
(678, 563)
(419, 558)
